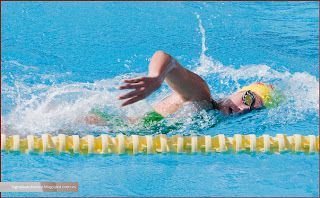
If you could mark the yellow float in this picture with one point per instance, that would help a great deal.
(160, 144)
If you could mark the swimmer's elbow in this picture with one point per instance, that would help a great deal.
(166, 59)
(162, 54)
(159, 52)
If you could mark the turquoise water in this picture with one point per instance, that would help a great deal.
(61, 59)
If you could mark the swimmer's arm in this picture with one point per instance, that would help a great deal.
(190, 86)
(163, 67)
(160, 65)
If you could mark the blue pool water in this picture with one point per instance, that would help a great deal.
(61, 59)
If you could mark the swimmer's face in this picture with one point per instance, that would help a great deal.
(235, 105)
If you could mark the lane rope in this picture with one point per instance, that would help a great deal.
(160, 144)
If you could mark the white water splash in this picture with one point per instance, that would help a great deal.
(203, 41)
(43, 108)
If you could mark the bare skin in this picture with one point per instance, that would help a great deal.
(187, 86)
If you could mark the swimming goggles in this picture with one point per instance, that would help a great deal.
(248, 99)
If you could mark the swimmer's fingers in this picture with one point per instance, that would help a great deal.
(129, 95)
(133, 100)
(131, 86)
(144, 86)
(133, 80)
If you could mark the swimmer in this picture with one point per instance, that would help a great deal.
(187, 87)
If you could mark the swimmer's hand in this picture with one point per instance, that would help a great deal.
(143, 87)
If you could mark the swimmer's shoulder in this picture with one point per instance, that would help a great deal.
(174, 102)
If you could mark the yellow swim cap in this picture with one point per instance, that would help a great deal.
(263, 90)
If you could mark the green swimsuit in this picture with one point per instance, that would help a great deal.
(152, 117)
(148, 120)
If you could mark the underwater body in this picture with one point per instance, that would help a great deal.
(60, 60)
